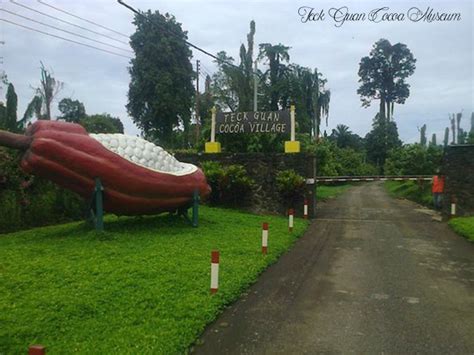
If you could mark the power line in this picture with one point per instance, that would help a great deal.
(65, 39)
(164, 29)
(66, 31)
(67, 22)
(83, 19)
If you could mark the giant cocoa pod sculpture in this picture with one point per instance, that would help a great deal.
(138, 176)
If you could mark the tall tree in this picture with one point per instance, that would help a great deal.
(446, 137)
(9, 119)
(161, 91)
(233, 83)
(72, 110)
(274, 77)
(382, 76)
(46, 92)
(453, 127)
(381, 140)
(423, 135)
(433, 140)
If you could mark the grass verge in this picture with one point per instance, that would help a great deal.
(142, 286)
(324, 192)
(411, 190)
(464, 226)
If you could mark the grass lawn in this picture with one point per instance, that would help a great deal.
(142, 286)
(411, 191)
(323, 192)
(463, 226)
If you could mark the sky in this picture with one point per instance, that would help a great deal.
(442, 83)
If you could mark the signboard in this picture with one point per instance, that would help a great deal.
(253, 122)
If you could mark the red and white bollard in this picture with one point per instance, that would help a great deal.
(291, 212)
(36, 350)
(305, 209)
(264, 237)
(214, 271)
(453, 206)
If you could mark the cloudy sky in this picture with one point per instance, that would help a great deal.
(442, 83)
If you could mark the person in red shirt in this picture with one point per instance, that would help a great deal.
(437, 189)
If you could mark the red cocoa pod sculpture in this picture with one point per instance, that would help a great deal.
(138, 176)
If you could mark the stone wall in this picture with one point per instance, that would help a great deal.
(263, 168)
(458, 167)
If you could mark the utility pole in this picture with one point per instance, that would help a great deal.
(255, 86)
(198, 119)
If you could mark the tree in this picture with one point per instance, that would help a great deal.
(8, 116)
(161, 91)
(381, 140)
(383, 75)
(233, 84)
(341, 135)
(102, 123)
(72, 110)
(413, 159)
(433, 140)
(446, 137)
(274, 54)
(45, 94)
(423, 135)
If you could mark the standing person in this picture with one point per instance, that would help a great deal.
(437, 189)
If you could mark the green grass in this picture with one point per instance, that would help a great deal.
(411, 191)
(142, 286)
(463, 226)
(324, 192)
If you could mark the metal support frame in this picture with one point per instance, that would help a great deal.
(97, 206)
(194, 221)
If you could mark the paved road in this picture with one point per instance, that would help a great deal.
(373, 275)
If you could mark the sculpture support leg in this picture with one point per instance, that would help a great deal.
(195, 208)
(97, 206)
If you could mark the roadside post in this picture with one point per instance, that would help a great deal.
(264, 238)
(37, 350)
(214, 271)
(213, 146)
(291, 213)
(292, 146)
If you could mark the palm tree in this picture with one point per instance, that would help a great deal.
(275, 54)
(341, 135)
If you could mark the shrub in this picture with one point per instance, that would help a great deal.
(230, 185)
(290, 185)
(27, 201)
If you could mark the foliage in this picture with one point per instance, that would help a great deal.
(344, 138)
(464, 226)
(291, 186)
(274, 79)
(411, 190)
(381, 140)
(382, 76)
(334, 161)
(27, 201)
(230, 184)
(414, 159)
(161, 90)
(103, 123)
(72, 110)
(8, 114)
(325, 192)
(142, 285)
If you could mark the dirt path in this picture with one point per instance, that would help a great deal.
(371, 275)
